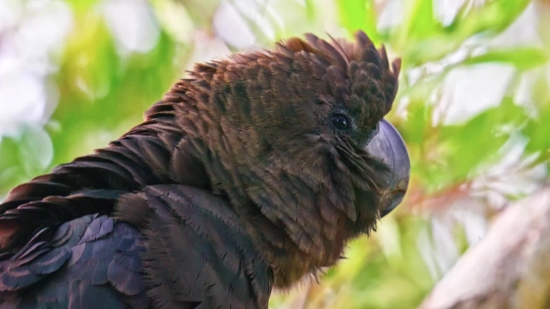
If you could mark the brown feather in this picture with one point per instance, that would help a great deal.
(253, 129)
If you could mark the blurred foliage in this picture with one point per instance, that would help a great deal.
(463, 170)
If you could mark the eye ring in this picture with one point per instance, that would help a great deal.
(340, 121)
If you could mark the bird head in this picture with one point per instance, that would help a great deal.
(295, 138)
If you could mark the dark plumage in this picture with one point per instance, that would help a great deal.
(89, 260)
(249, 174)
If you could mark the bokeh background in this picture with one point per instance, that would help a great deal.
(473, 107)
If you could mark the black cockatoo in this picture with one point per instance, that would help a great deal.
(250, 174)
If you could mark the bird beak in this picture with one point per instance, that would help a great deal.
(388, 146)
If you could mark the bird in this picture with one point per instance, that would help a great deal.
(250, 174)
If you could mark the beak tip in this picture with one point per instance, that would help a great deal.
(388, 146)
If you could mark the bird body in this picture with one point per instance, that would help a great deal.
(250, 174)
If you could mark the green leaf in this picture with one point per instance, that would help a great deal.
(419, 23)
(102, 93)
(523, 58)
(24, 156)
(494, 17)
(477, 142)
(422, 38)
(359, 14)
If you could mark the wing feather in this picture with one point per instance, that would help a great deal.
(91, 262)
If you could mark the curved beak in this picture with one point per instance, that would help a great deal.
(388, 146)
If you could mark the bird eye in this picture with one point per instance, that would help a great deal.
(340, 122)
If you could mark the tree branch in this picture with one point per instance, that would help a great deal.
(508, 268)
